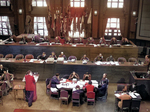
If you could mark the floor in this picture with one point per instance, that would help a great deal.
(45, 103)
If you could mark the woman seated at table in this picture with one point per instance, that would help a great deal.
(53, 56)
(99, 57)
(147, 61)
(84, 58)
(102, 40)
(90, 40)
(104, 79)
(57, 39)
(101, 90)
(73, 75)
(87, 76)
(55, 80)
(62, 55)
(113, 41)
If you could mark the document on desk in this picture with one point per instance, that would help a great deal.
(132, 95)
(117, 95)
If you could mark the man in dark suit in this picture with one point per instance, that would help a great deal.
(113, 41)
(29, 87)
(55, 80)
(101, 90)
(42, 57)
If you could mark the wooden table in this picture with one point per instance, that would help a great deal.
(31, 110)
(78, 51)
(18, 87)
(47, 70)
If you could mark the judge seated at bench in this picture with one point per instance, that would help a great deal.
(125, 41)
(90, 40)
(99, 57)
(74, 75)
(57, 39)
(80, 40)
(62, 55)
(42, 57)
(69, 40)
(113, 41)
(53, 55)
(102, 40)
(84, 58)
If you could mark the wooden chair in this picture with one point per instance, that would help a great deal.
(29, 56)
(19, 56)
(9, 56)
(90, 98)
(121, 59)
(1, 55)
(64, 96)
(132, 60)
(75, 98)
(126, 105)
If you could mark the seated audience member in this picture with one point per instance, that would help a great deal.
(81, 92)
(147, 61)
(87, 76)
(101, 90)
(89, 87)
(38, 38)
(84, 58)
(74, 75)
(123, 97)
(125, 41)
(104, 79)
(53, 56)
(133, 87)
(2, 69)
(62, 55)
(148, 74)
(69, 40)
(55, 80)
(57, 39)
(43, 56)
(110, 58)
(99, 57)
(113, 41)
(80, 40)
(102, 40)
(90, 40)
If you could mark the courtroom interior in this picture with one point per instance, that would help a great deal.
(74, 55)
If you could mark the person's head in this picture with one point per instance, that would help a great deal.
(53, 53)
(126, 40)
(29, 72)
(90, 82)
(100, 55)
(43, 54)
(87, 72)
(113, 38)
(1, 66)
(62, 53)
(91, 38)
(57, 75)
(125, 88)
(73, 72)
(148, 72)
(77, 87)
(5, 72)
(84, 55)
(56, 38)
(104, 75)
(110, 56)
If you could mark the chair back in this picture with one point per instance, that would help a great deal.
(132, 60)
(135, 104)
(72, 57)
(91, 95)
(29, 56)
(19, 56)
(65, 76)
(47, 81)
(9, 56)
(1, 55)
(3, 87)
(75, 95)
(108, 59)
(121, 59)
(64, 93)
(126, 104)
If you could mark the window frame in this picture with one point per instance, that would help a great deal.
(37, 3)
(80, 2)
(112, 2)
(7, 2)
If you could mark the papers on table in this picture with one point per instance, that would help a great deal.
(132, 94)
(117, 95)
(34, 60)
(107, 63)
(54, 89)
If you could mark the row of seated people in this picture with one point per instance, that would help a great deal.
(53, 55)
(99, 91)
(68, 40)
(90, 40)
(6, 80)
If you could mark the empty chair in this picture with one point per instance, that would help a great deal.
(110, 59)
(126, 105)
(64, 96)
(9, 56)
(132, 60)
(1, 55)
(29, 56)
(135, 105)
(121, 59)
(19, 56)
(90, 97)
(75, 98)
(72, 57)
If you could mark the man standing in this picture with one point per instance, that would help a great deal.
(30, 83)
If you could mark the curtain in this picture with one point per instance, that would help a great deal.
(12, 23)
(122, 26)
(29, 25)
(11, 4)
(104, 26)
